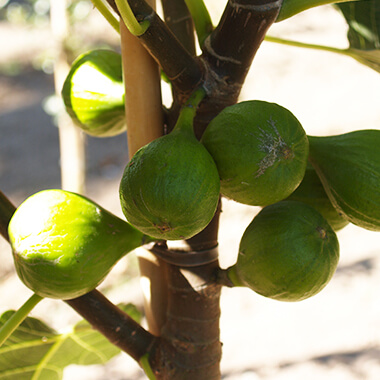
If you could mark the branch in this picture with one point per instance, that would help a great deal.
(231, 47)
(182, 69)
(6, 211)
(190, 347)
(178, 19)
(118, 327)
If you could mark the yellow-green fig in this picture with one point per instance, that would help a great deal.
(260, 150)
(349, 168)
(93, 93)
(64, 244)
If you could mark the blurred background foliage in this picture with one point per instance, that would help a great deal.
(35, 15)
(36, 12)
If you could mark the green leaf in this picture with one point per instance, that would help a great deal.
(290, 8)
(37, 352)
(363, 19)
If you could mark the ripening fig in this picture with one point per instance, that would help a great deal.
(93, 93)
(349, 168)
(288, 252)
(311, 191)
(170, 188)
(64, 244)
(260, 150)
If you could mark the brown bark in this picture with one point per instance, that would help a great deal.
(230, 48)
(177, 17)
(190, 346)
(6, 211)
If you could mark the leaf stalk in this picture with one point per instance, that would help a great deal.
(18, 317)
(105, 12)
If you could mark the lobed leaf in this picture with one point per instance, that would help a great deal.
(35, 351)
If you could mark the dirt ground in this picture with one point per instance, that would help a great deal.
(334, 335)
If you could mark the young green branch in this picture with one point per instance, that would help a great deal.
(134, 26)
(107, 14)
(18, 317)
(202, 19)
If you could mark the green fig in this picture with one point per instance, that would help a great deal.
(64, 244)
(349, 168)
(289, 252)
(93, 93)
(260, 150)
(170, 188)
(311, 191)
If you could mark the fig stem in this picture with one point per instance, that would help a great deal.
(134, 26)
(105, 12)
(18, 317)
(222, 277)
(189, 110)
(201, 17)
(145, 365)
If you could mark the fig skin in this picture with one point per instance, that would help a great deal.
(289, 253)
(170, 188)
(348, 166)
(93, 93)
(64, 244)
(312, 192)
(260, 150)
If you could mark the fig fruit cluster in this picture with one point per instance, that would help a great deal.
(254, 152)
(309, 187)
